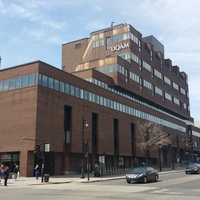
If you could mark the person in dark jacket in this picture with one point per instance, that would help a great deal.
(6, 175)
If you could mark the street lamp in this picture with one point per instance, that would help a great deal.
(84, 124)
(43, 157)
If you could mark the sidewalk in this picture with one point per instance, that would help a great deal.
(28, 181)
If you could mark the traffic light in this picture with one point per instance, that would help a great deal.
(37, 149)
(85, 149)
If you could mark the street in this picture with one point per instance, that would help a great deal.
(176, 185)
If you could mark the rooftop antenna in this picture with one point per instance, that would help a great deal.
(112, 23)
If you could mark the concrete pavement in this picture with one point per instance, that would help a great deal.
(28, 181)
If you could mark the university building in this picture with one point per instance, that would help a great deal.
(109, 83)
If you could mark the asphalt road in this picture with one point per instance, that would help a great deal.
(176, 186)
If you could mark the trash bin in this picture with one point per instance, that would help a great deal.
(46, 178)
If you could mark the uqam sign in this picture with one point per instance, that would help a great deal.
(120, 47)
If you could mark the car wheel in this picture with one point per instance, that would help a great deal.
(145, 179)
(128, 181)
(156, 178)
(186, 172)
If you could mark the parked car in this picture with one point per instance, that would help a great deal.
(142, 174)
(193, 168)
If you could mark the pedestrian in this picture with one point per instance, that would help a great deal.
(37, 171)
(1, 172)
(6, 175)
(16, 172)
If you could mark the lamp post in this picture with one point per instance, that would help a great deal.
(43, 155)
(84, 124)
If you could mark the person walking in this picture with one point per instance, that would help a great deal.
(16, 172)
(37, 171)
(6, 175)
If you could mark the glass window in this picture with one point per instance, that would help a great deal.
(77, 92)
(81, 93)
(85, 94)
(97, 99)
(67, 88)
(5, 85)
(100, 100)
(40, 79)
(18, 82)
(31, 79)
(24, 81)
(125, 36)
(56, 85)
(108, 42)
(62, 87)
(71, 90)
(78, 46)
(36, 79)
(115, 38)
(50, 83)
(101, 42)
(93, 44)
(90, 96)
(44, 80)
(104, 101)
(67, 137)
(120, 37)
(11, 83)
(139, 45)
(97, 43)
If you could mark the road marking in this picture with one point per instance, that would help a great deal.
(166, 191)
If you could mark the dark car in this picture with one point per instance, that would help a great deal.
(193, 168)
(142, 174)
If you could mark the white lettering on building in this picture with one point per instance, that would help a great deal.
(119, 47)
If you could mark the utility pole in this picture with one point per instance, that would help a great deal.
(84, 124)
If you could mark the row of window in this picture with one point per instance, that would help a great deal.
(18, 82)
(86, 95)
(132, 98)
(83, 94)
(116, 38)
(132, 56)
(118, 68)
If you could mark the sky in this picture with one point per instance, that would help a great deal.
(33, 30)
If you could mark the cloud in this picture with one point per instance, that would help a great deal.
(32, 13)
(44, 25)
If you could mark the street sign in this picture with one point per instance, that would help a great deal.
(47, 147)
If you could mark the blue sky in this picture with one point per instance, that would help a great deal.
(36, 29)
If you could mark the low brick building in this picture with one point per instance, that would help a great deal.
(111, 80)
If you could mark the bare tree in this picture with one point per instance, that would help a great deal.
(187, 139)
(151, 136)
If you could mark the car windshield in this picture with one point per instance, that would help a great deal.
(192, 165)
(140, 170)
